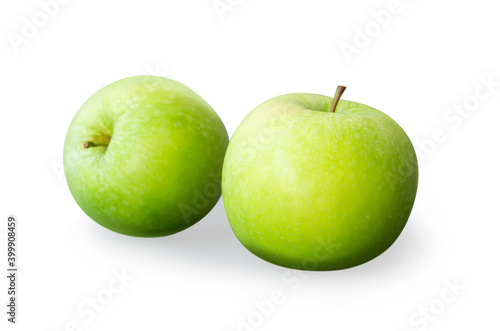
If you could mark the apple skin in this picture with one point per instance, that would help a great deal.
(309, 189)
(160, 171)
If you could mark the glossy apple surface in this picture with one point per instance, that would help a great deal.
(143, 156)
(310, 189)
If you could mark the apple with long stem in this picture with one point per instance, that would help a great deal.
(316, 183)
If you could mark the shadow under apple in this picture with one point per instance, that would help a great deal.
(211, 243)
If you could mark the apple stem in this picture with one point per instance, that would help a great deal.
(336, 98)
(98, 141)
(88, 144)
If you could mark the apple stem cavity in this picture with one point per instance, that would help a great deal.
(336, 98)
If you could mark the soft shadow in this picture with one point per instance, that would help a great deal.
(209, 242)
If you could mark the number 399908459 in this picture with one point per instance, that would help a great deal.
(11, 242)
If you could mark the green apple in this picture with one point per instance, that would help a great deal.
(143, 156)
(314, 183)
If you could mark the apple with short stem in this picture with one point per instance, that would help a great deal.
(143, 156)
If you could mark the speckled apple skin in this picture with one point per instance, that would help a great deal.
(160, 172)
(309, 189)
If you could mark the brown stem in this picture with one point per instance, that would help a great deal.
(88, 144)
(336, 98)
(97, 140)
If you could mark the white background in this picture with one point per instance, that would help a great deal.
(430, 57)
